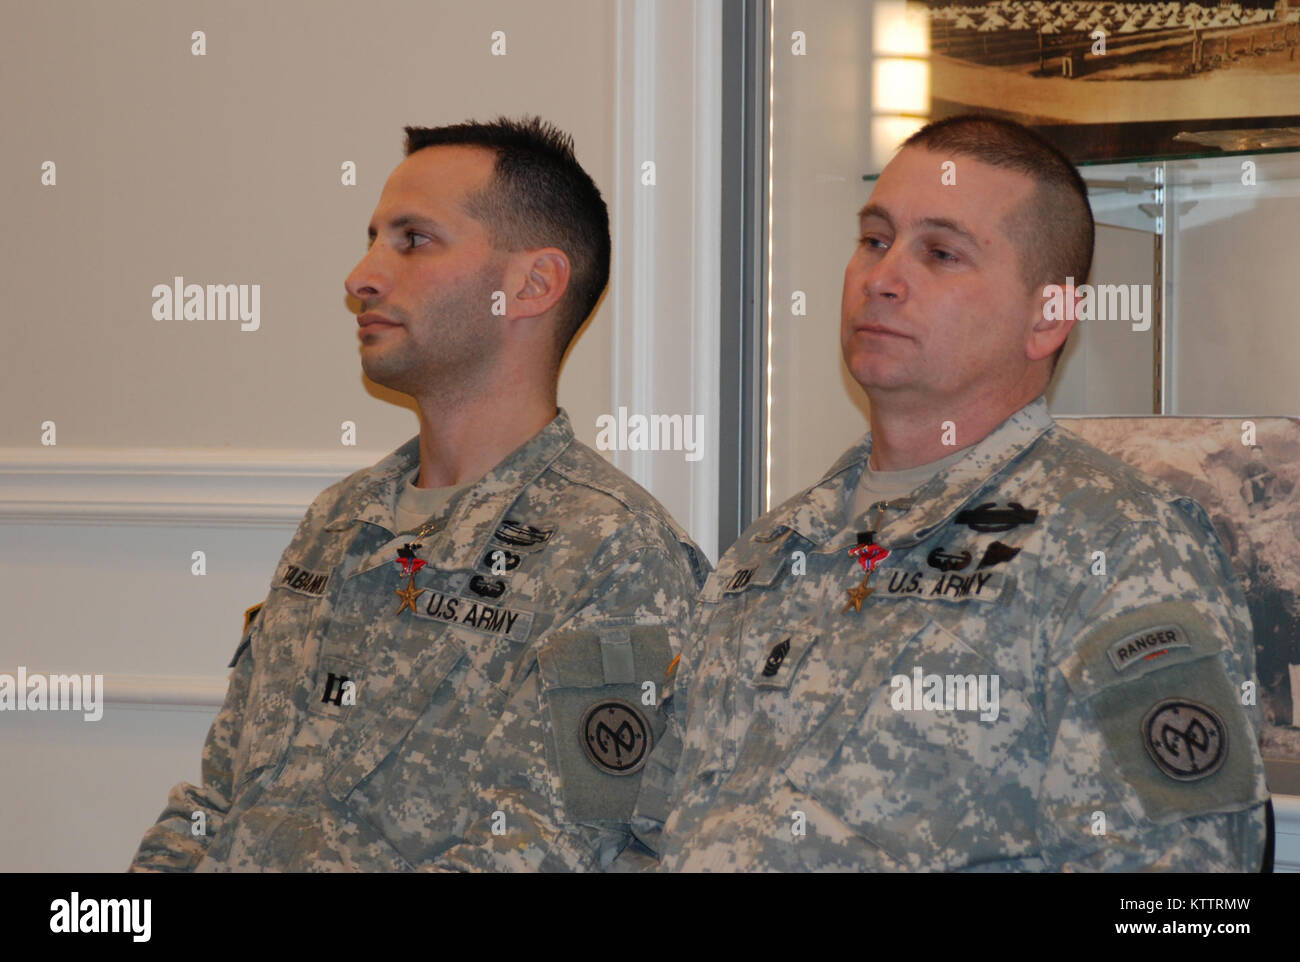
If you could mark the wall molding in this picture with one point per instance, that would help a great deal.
(187, 692)
(224, 487)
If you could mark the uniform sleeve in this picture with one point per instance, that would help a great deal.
(1154, 762)
(174, 843)
(657, 782)
(544, 801)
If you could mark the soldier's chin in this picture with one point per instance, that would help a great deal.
(872, 372)
(384, 372)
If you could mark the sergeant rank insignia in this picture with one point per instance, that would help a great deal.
(869, 556)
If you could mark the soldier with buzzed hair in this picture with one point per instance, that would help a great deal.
(461, 659)
(977, 643)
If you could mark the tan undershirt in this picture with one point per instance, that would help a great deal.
(876, 486)
(415, 505)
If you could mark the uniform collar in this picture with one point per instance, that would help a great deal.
(819, 514)
(478, 510)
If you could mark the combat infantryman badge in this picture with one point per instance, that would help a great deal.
(988, 517)
(408, 595)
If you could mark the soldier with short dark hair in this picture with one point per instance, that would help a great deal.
(976, 643)
(452, 665)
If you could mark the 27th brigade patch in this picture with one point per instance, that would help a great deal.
(1187, 740)
(1167, 710)
(616, 737)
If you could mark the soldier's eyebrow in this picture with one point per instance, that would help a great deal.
(875, 210)
(935, 223)
(403, 220)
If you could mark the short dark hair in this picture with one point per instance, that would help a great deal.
(1053, 230)
(539, 196)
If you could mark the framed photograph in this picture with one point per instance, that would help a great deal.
(1110, 81)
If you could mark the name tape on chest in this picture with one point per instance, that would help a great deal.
(948, 586)
(301, 580)
(474, 615)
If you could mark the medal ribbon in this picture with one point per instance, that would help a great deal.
(869, 555)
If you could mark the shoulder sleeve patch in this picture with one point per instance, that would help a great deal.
(603, 687)
(1168, 712)
(1129, 645)
(250, 615)
(1181, 739)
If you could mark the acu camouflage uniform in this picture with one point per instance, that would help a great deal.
(363, 732)
(795, 722)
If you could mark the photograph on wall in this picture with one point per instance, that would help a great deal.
(1112, 81)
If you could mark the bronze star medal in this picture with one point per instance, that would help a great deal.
(408, 595)
(869, 556)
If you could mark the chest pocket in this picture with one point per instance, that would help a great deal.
(907, 755)
(391, 702)
(601, 691)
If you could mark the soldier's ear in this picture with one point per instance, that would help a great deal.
(541, 281)
(1052, 318)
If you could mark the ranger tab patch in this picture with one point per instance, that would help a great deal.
(1188, 741)
(1146, 645)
